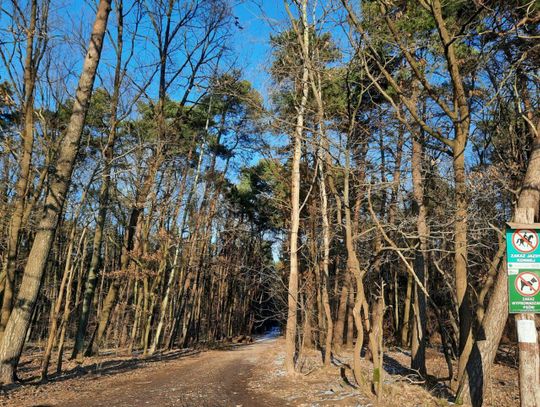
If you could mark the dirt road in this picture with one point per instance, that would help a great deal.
(241, 376)
(211, 378)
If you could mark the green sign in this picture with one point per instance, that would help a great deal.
(523, 257)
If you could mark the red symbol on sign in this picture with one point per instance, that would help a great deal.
(525, 240)
(527, 284)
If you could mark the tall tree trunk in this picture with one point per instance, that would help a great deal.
(325, 277)
(461, 120)
(460, 260)
(353, 267)
(392, 213)
(529, 357)
(17, 326)
(24, 170)
(418, 346)
(108, 153)
(476, 379)
(290, 335)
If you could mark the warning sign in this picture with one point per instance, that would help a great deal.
(527, 284)
(525, 240)
(523, 260)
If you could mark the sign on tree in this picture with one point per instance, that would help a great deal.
(523, 258)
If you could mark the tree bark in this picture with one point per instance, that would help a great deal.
(460, 260)
(292, 308)
(339, 328)
(325, 264)
(24, 170)
(353, 267)
(418, 346)
(108, 153)
(405, 327)
(529, 361)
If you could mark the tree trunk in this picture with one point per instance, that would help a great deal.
(108, 153)
(475, 381)
(165, 303)
(350, 319)
(405, 327)
(376, 344)
(24, 171)
(529, 361)
(290, 335)
(418, 346)
(353, 267)
(339, 328)
(460, 260)
(325, 265)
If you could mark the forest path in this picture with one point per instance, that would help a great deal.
(209, 378)
(214, 378)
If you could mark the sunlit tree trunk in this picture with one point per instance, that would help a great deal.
(325, 277)
(108, 153)
(290, 334)
(353, 267)
(30, 72)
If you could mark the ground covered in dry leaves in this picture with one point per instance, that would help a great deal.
(242, 375)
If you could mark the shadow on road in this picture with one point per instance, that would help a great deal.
(103, 368)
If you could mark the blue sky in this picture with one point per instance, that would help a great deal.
(259, 19)
(71, 23)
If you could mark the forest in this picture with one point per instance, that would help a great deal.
(190, 174)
